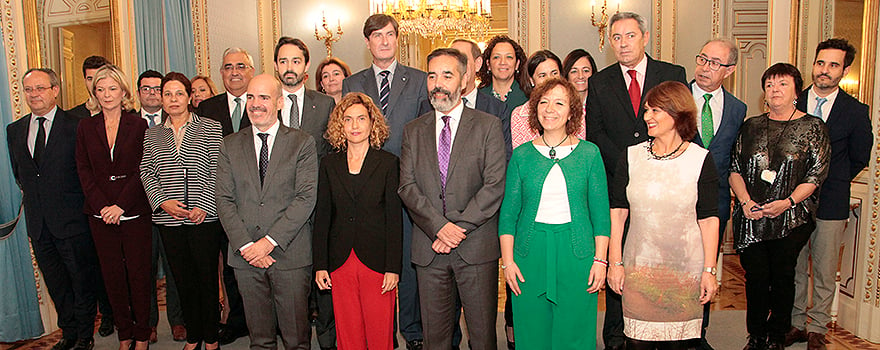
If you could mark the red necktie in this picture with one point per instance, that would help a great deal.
(635, 92)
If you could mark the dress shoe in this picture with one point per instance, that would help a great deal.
(704, 345)
(198, 346)
(816, 341)
(178, 332)
(795, 335)
(414, 344)
(106, 327)
(228, 336)
(154, 335)
(64, 344)
(775, 345)
(328, 348)
(756, 343)
(84, 344)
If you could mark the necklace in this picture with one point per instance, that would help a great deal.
(662, 156)
(553, 148)
(767, 174)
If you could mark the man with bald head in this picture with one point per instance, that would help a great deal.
(266, 187)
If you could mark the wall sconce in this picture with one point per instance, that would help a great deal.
(330, 37)
(602, 23)
(850, 86)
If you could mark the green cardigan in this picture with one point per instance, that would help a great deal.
(584, 174)
(515, 97)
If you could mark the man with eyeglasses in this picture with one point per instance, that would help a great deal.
(721, 115)
(229, 109)
(149, 86)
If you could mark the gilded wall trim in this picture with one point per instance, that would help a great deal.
(200, 36)
(522, 23)
(827, 20)
(716, 18)
(9, 41)
(545, 27)
(658, 20)
(866, 90)
(803, 34)
(269, 29)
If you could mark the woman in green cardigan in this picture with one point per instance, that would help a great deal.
(554, 226)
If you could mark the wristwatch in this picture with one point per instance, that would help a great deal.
(711, 270)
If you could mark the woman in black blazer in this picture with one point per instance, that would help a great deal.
(358, 225)
(108, 151)
(179, 172)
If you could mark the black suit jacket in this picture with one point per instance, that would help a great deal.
(849, 131)
(365, 217)
(488, 104)
(315, 114)
(80, 111)
(52, 192)
(217, 108)
(611, 123)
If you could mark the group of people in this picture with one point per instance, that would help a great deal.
(385, 200)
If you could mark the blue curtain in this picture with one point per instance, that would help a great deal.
(19, 310)
(165, 26)
(148, 31)
(179, 37)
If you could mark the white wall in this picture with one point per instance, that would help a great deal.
(232, 23)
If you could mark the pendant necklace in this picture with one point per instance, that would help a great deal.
(770, 175)
(662, 156)
(553, 148)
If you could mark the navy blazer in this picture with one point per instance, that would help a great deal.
(732, 116)
(52, 192)
(488, 104)
(850, 134)
(611, 123)
(217, 108)
(408, 89)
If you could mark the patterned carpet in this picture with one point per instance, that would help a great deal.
(727, 330)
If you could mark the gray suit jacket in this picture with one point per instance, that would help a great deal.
(281, 208)
(474, 187)
(316, 112)
(408, 89)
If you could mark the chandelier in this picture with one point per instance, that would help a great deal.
(432, 19)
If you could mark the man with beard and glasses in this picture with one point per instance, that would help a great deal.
(849, 129)
(452, 168)
(306, 110)
(267, 177)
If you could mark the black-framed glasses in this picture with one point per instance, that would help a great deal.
(702, 60)
(149, 89)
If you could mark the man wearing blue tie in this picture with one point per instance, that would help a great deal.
(721, 115)
(849, 129)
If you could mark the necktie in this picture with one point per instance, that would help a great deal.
(151, 119)
(706, 120)
(819, 102)
(384, 91)
(443, 149)
(466, 102)
(40, 142)
(635, 92)
(236, 114)
(294, 112)
(264, 155)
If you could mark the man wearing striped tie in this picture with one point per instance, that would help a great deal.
(399, 91)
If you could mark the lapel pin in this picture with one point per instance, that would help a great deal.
(404, 78)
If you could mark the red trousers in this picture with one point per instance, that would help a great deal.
(363, 313)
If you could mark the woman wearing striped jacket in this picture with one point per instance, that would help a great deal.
(178, 170)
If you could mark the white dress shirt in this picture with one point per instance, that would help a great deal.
(454, 118)
(258, 144)
(471, 99)
(716, 104)
(156, 117)
(640, 69)
(285, 110)
(826, 107)
(34, 127)
(230, 100)
(390, 69)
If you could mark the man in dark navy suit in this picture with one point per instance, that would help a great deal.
(849, 129)
(721, 115)
(89, 67)
(614, 117)
(42, 148)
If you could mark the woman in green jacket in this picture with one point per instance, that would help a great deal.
(554, 226)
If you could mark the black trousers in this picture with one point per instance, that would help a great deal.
(632, 344)
(70, 269)
(325, 323)
(193, 252)
(612, 330)
(236, 322)
(769, 267)
(707, 308)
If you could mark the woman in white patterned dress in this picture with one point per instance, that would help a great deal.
(668, 187)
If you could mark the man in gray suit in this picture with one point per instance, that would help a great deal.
(398, 90)
(307, 110)
(452, 168)
(266, 189)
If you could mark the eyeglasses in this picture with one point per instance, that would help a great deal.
(38, 89)
(238, 66)
(702, 60)
(151, 89)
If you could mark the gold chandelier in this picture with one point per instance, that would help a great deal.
(432, 19)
